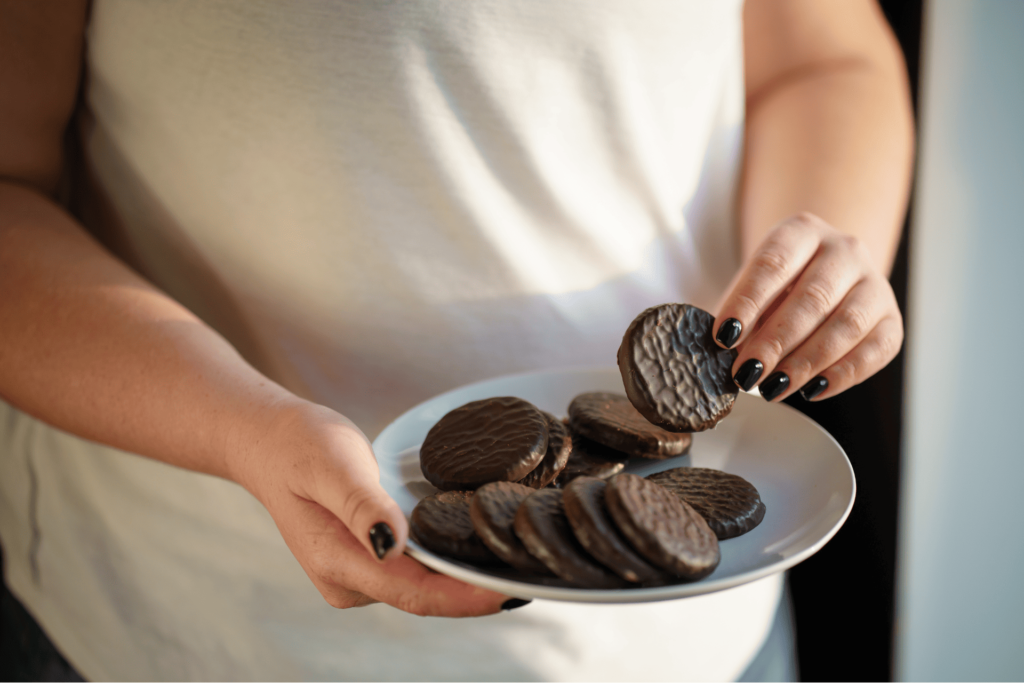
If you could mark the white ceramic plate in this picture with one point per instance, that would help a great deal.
(804, 478)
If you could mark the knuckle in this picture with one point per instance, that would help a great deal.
(357, 502)
(771, 264)
(746, 304)
(342, 599)
(798, 367)
(818, 298)
(853, 321)
(845, 372)
(769, 350)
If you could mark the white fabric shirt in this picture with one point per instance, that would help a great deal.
(376, 202)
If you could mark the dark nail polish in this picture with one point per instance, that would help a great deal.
(774, 385)
(382, 538)
(749, 373)
(729, 332)
(813, 388)
(512, 603)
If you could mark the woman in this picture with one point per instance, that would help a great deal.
(299, 222)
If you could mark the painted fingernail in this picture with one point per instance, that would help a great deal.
(729, 332)
(810, 390)
(749, 373)
(774, 385)
(382, 538)
(512, 603)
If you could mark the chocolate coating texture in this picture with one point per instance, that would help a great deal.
(493, 513)
(674, 372)
(584, 505)
(495, 439)
(662, 528)
(729, 503)
(555, 458)
(441, 523)
(612, 420)
(591, 459)
(543, 528)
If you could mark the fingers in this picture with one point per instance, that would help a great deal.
(771, 271)
(347, 575)
(809, 313)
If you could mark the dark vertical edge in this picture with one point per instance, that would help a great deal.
(844, 597)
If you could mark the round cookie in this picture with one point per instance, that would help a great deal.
(542, 527)
(591, 459)
(495, 439)
(663, 529)
(611, 419)
(729, 503)
(493, 513)
(555, 458)
(584, 505)
(441, 524)
(674, 372)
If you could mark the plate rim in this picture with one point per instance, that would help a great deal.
(619, 595)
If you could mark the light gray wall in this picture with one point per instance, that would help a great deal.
(961, 559)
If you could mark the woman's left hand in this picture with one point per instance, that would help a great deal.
(810, 311)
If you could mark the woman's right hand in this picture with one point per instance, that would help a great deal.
(316, 474)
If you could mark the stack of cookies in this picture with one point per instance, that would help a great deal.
(523, 490)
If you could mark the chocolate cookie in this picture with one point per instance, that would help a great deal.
(610, 419)
(556, 457)
(673, 372)
(441, 524)
(662, 528)
(496, 439)
(728, 503)
(542, 527)
(493, 512)
(593, 527)
(591, 459)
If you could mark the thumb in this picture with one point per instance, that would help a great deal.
(351, 490)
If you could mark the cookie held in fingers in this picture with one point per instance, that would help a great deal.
(729, 503)
(664, 530)
(611, 419)
(495, 439)
(584, 505)
(543, 528)
(591, 459)
(555, 458)
(674, 372)
(441, 524)
(493, 513)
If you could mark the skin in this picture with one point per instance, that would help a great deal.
(94, 349)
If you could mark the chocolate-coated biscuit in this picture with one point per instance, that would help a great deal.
(591, 459)
(611, 419)
(729, 503)
(495, 439)
(674, 372)
(662, 528)
(493, 512)
(441, 524)
(542, 527)
(555, 458)
(594, 529)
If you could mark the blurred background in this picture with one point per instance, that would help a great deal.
(923, 581)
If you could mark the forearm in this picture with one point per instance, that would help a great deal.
(835, 139)
(90, 347)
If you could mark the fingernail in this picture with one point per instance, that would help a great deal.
(512, 603)
(382, 538)
(810, 390)
(749, 373)
(774, 385)
(729, 332)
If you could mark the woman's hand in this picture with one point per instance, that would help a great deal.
(316, 474)
(809, 311)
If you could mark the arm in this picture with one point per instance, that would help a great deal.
(826, 178)
(92, 348)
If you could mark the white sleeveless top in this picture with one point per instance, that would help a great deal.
(376, 202)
